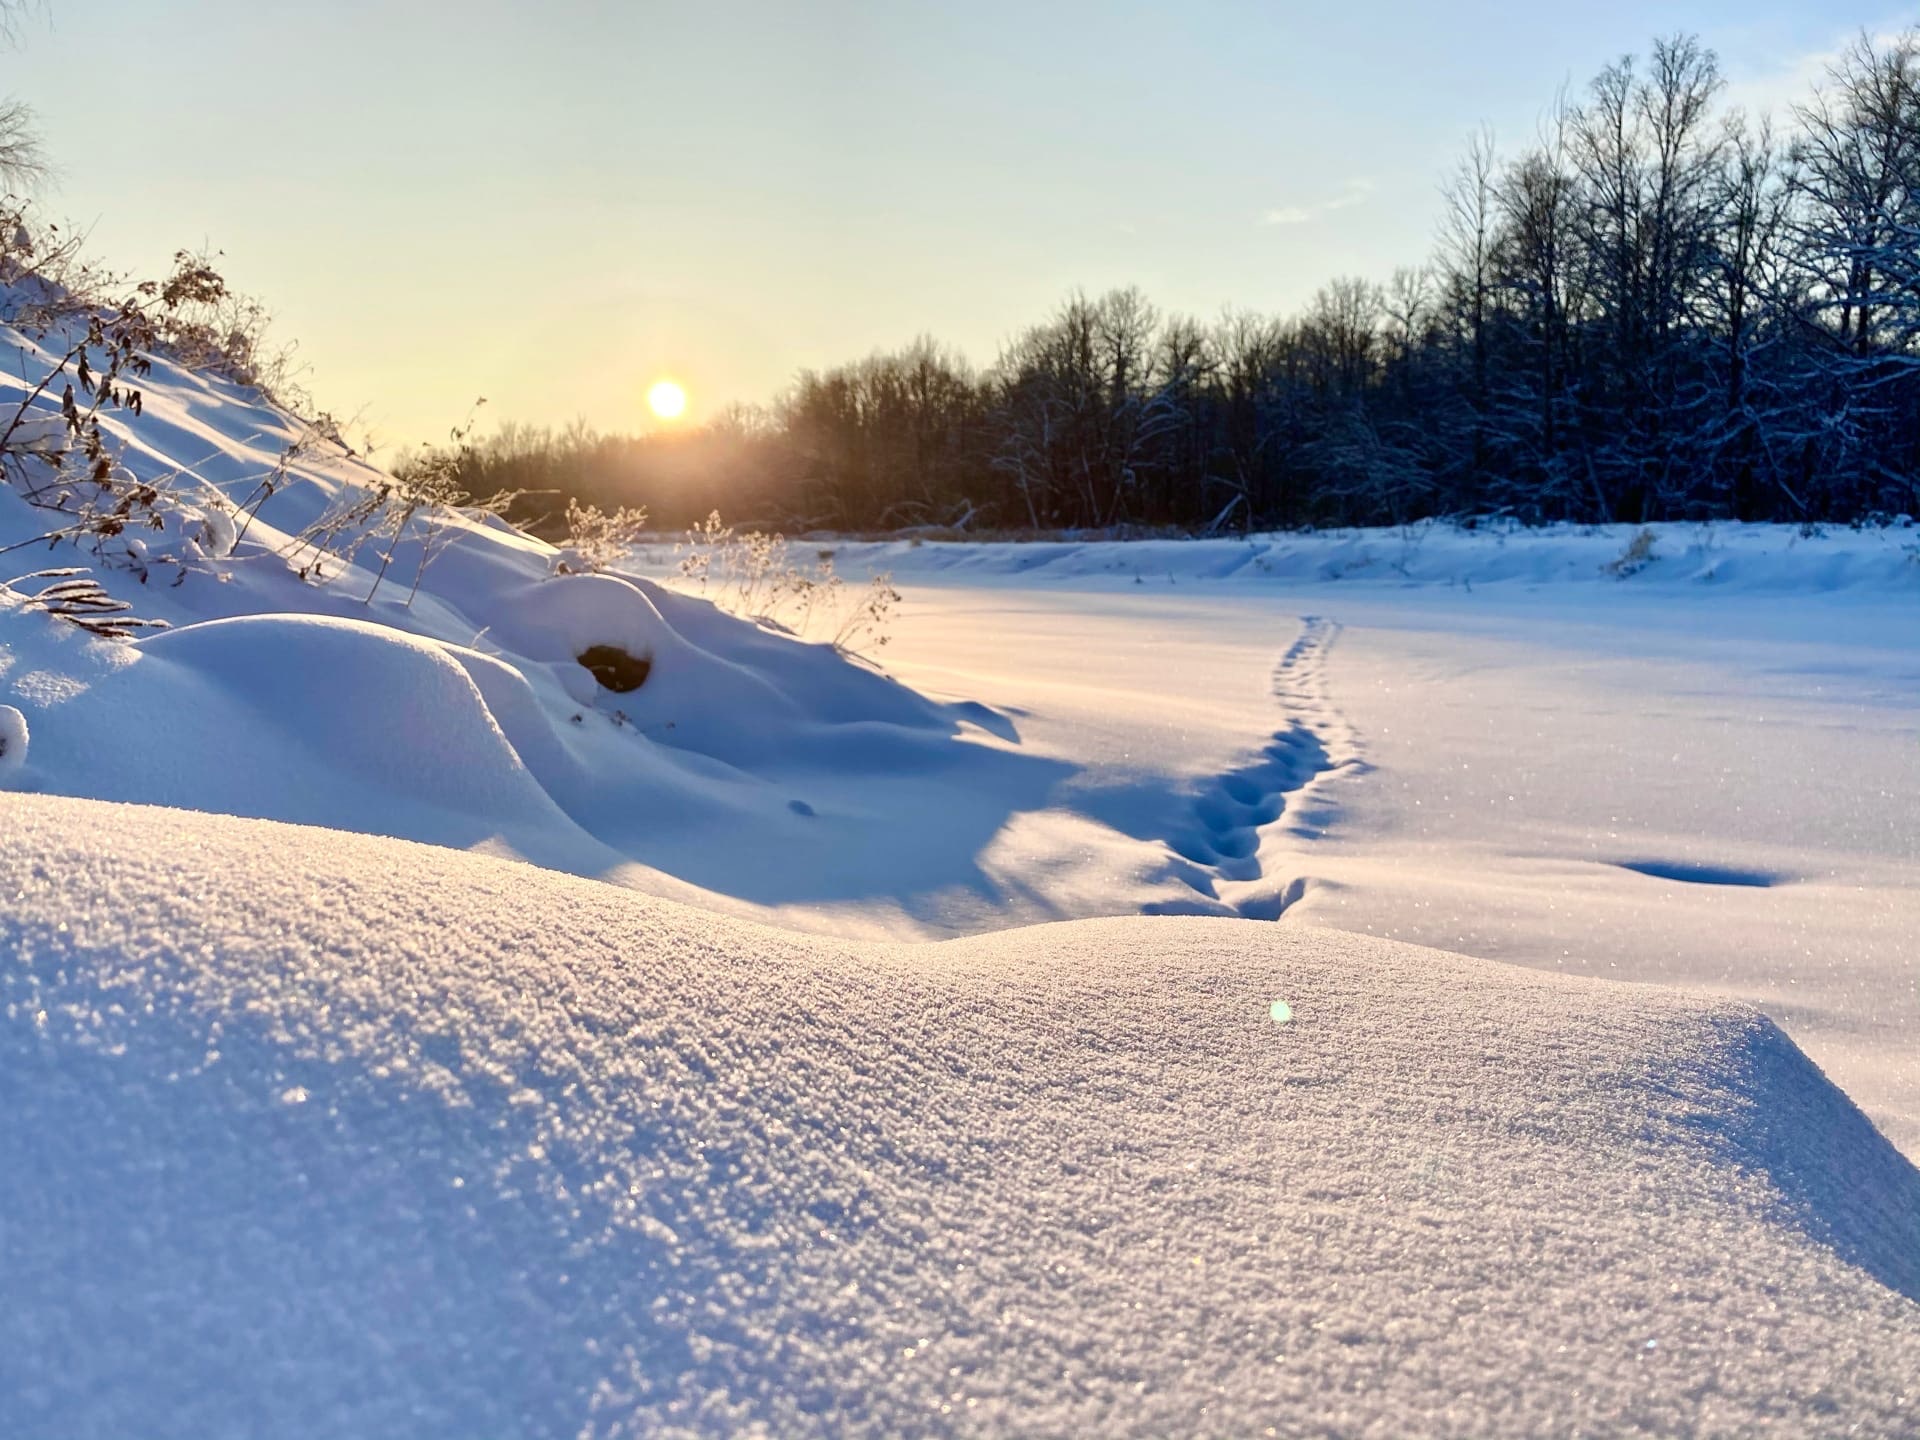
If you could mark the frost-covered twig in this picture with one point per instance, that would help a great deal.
(70, 593)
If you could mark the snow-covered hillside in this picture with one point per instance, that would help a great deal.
(318, 1131)
(320, 1134)
(460, 714)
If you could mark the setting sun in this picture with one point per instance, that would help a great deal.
(667, 399)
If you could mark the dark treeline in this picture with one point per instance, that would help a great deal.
(1657, 310)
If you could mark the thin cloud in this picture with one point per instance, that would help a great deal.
(1354, 192)
(1774, 92)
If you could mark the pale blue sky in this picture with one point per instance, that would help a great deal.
(553, 204)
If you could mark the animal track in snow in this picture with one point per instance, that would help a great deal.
(1285, 783)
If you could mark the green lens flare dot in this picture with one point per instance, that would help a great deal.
(1282, 1012)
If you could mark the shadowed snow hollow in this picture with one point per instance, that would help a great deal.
(318, 1134)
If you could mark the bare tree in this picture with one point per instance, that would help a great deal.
(1746, 252)
(1466, 268)
(23, 164)
(1544, 280)
(1857, 178)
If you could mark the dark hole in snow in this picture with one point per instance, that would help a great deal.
(1700, 874)
(614, 668)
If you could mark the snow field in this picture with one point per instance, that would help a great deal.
(344, 1135)
(309, 1131)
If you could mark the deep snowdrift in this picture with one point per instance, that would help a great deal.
(308, 1133)
(462, 714)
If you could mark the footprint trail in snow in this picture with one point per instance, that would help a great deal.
(1282, 791)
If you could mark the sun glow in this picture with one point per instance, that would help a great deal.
(667, 399)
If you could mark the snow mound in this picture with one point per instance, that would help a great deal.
(304, 718)
(387, 707)
(13, 742)
(682, 787)
(324, 1134)
(557, 620)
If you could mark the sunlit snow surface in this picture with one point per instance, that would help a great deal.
(1652, 779)
(307, 1131)
(310, 1133)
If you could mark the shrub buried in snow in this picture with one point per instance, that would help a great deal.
(749, 573)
